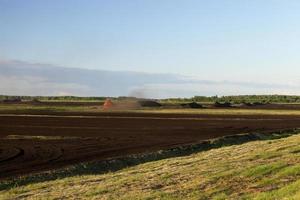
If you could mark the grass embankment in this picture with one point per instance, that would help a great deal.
(268, 169)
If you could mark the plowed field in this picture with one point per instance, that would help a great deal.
(30, 143)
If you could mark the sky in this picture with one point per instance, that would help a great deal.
(232, 40)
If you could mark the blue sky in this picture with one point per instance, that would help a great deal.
(212, 40)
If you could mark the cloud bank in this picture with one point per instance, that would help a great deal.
(23, 78)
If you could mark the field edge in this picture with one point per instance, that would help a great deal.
(115, 164)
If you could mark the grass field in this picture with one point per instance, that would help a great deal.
(48, 136)
(266, 169)
(232, 111)
(27, 108)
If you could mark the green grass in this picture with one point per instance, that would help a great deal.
(267, 169)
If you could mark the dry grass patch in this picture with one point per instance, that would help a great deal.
(254, 170)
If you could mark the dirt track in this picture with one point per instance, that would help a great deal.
(108, 135)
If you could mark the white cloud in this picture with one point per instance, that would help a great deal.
(21, 78)
(16, 85)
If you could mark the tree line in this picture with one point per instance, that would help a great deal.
(238, 99)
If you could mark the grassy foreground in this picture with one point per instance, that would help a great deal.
(267, 169)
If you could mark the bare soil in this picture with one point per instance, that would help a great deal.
(77, 137)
